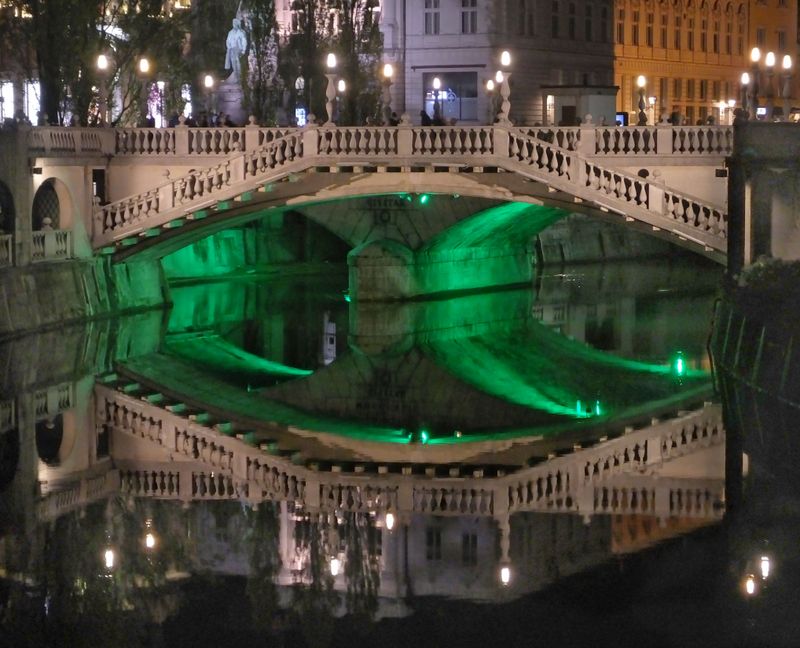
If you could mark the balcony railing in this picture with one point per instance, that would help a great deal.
(51, 245)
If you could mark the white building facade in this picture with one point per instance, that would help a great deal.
(555, 45)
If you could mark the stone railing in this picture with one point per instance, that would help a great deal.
(6, 250)
(232, 468)
(644, 199)
(59, 141)
(663, 140)
(51, 245)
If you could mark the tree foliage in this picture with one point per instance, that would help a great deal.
(61, 39)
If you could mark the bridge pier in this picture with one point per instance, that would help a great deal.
(387, 270)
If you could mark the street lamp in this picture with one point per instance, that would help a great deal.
(102, 74)
(641, 82)
(755, 57)
(330, 92)
(769, 61)
(143, 68)
(437, 109)
(786, 91)
(504, 77)
(490, 88)
(388, 73)
(745, 90)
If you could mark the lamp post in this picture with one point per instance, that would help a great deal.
(143, 68)
(744, 90)
(208, 88)
(505, 89)
(330, 92)
(769, 61)
(490, 88)
(388, 73)
(755, 57)
(102, 76)
(786, 91)
(437, 109)
(641, 82)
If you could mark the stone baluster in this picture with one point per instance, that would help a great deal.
(251, 134)
(405, 137)
(182, 137)
(587, 142)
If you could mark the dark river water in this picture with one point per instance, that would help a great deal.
(99, 548)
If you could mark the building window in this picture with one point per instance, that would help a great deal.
(531, 21)
(715, 94)
(521, 17)
(782, 3)
(703, 89)
(677, 43)
(603, 24)
(715, 38)
(433, 543)
(431, 17)
(690, 115)
(740, 35)
(554, 26)
(690, 35)
(781, 40)
(587, 27)
(704, 34)
(690, 89)
(728, 37)
(677, 87)
(571, 21)
(469, 16)
(648, 34)
(469, 549)
(664, 23)
(620, 26)
(761, 36)
(635, 28)
(663, 89)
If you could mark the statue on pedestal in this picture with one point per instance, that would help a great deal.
(236, 44)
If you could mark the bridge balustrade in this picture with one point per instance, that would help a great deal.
(51, 245)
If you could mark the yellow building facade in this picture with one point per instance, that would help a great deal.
(692, 53)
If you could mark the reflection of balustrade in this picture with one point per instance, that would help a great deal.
(52, 245)
(6, 250)
(49, 402)
(234, 469)
(58, 499)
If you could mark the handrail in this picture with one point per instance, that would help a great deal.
(515, 150)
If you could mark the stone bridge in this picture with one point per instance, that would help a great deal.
(659, 177)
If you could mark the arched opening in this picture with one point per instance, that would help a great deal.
(46, 208)
(6, 225)
(49, 438)
(9, 457)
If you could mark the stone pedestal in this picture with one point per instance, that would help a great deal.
(230, 100)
